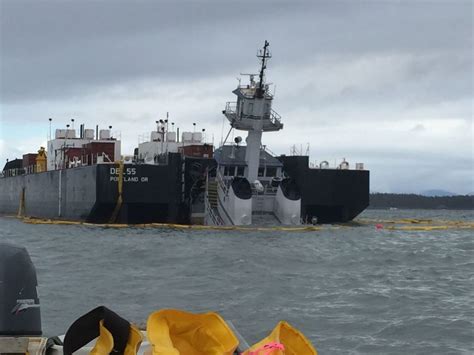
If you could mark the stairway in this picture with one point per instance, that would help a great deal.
(212, 196)
(212, 193)
(258, 204)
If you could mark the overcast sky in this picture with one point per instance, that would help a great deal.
(386, 83)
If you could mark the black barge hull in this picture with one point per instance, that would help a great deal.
(150, 193)
(328, 195)
(164, 193)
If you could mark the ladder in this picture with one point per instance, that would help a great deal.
(211, 203)
(212, 193)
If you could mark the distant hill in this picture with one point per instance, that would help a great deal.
(441, 193)
(412, 201)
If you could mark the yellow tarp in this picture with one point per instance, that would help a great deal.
(174, 332)
(293, 341)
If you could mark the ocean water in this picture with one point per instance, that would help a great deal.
(351, 290)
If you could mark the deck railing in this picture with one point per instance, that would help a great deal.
(221, 183)
(273, 116)
(208, 210)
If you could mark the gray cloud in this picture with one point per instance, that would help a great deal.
(388, 83)
(51, 49)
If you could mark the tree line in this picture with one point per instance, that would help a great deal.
(412, 201)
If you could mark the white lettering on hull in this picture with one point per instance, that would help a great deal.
(128, 175)
(130, 179)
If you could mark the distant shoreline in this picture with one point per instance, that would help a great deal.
(413, 201)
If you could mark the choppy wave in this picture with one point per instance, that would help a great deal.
(350, 290)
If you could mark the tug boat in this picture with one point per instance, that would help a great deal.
(251, 186)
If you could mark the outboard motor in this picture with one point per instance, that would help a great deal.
(19, 303)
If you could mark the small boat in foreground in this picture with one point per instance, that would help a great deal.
(103, 332)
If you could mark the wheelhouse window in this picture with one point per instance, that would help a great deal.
(240, 171)
(267, 110)
(271, 172)
(231, 170)
(261, 172)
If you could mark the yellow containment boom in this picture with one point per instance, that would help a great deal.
(283, 340)
(174, 332)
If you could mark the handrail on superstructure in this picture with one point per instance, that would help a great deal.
(267, 191)
(209, 211)
(231, 108)
(221, 183)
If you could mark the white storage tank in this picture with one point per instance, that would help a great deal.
(187, 136)
(171, 136)
(60, 134)
(155, 136)
(70, 133)
(197, 137)
(104, 134)
(89, 134)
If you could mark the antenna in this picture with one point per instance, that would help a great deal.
(50, 119)
(263, 55)
(222, 132)
(161, 129)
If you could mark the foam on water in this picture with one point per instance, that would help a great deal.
(350, 290)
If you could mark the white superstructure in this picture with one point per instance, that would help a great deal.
(252, 112)
(249, 181)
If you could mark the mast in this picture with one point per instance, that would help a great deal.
(263, 55)
(252, 112)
